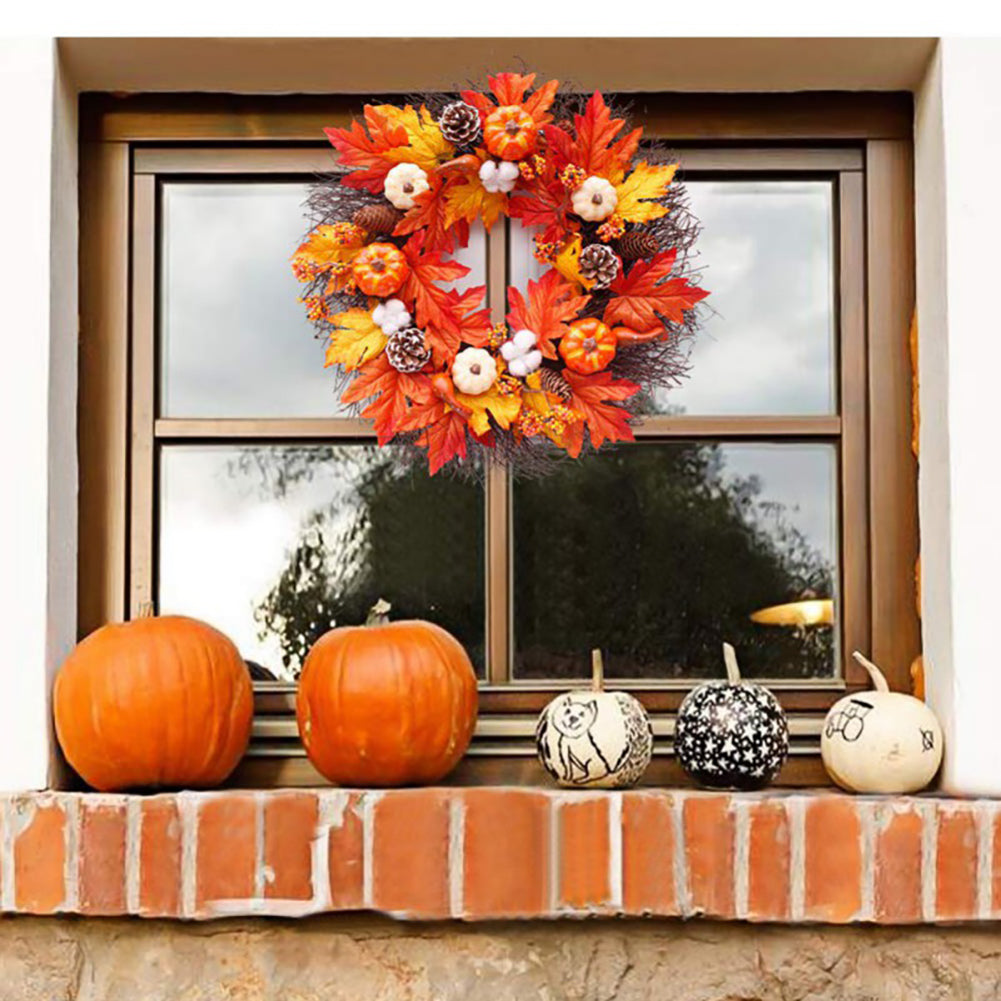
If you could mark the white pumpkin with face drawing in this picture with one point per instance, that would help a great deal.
(881, 741)
(595, 739)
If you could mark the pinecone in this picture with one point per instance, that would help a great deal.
(460, 123)
(598, 264)
(379, 220)
(636, 245)
(407, 350)
(553, 381)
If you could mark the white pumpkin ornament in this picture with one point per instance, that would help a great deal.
(499, 177)
(881, 741)
(474, 371)
(404, 183)
(595, 199)
(521, 354)
(595, 739)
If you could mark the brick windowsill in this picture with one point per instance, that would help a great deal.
(503, 853)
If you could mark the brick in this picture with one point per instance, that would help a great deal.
(345, 857)
(709, 845)
(506, 869)
(290, 821)
(648, 854)
(410, 849)
(160, 858)
(956, 868)
(897, 893)
(227, 849)
(584, 853)
(768, 856)
(833, 859)
(102, 859)
(40, 856)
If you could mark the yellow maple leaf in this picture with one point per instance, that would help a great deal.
(355, 339)
(329, 245)
(493, 403)
(427, 147)
(644, 183)
(538, 401)
(567, 262)
(471, 201)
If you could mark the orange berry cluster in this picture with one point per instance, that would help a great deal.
(612, 229)
(545, 253)
(572, 176)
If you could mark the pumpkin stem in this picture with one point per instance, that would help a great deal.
(730, 659)
(378, 614)
(597, 671)
(878, 679)
(146, 610)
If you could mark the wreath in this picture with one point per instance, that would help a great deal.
(583, 347)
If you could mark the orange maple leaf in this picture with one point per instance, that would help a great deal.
(646, 293)
(511, 88)
(430, 215)
(551, 303)
(367, 150)
(470, 201)
(432, 304)
(473, 326)
(596, 398)
(595, 147)
(393, 395)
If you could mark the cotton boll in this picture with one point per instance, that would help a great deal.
(509, 351)
(524, 340)
(391, 316)
(518, 368)
(532, 361)
(508, 171)
(498, 177)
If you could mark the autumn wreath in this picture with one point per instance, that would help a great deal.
(582, 348)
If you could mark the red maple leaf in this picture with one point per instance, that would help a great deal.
(366, 150)
(647, 290)
(473, 325)
(433, 305)
(393, 395)
(596, 398)
(596, 148)
(442, 427)
(543, 201)
(429, 214)
(552, 302)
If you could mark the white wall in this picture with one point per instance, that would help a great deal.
(38, 322)
(957, 153)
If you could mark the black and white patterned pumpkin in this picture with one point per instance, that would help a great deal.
(595, 739)
(731, 734)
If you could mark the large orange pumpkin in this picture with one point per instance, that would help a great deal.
(588, 346)
(154, 702)
(387, 703)
(380, 269)
(510, 132)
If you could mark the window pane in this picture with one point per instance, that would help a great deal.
(275, 544)
(234, 338)
(767, 346)
(657, 553)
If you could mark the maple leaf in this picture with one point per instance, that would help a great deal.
(595, 398)
(596, 148)
(551, 303)
(647, 292)
(393, 395)
(426, 146)
(442, 428)
(536, 400)
(432, 304)
(429, 215)
(503, 408)
(368, 150)
(637, 193)
(511, 88)
(325, 247)
(354, 339)
(473, 326)
(470, 201)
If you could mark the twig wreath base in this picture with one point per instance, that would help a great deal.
(583, 347)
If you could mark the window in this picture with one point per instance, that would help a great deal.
(778, 474)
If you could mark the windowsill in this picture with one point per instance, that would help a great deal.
(485, 853)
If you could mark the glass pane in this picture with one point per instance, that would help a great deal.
(657, 553)
(234, 338)
(275, 544)
(768, 344)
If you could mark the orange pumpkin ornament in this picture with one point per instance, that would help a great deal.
(588, 346)
(510, 132)
(155, 702)
(387, 703)
(380, 269)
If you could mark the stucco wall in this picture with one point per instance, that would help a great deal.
(357, 959)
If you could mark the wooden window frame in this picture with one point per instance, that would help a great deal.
(862, 142)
